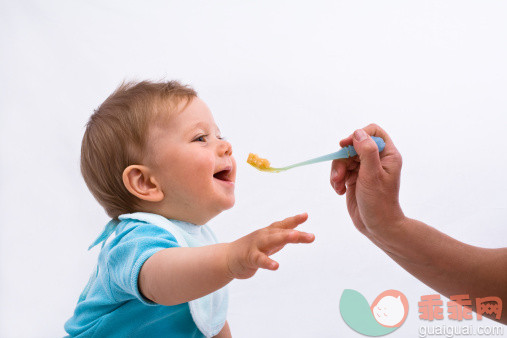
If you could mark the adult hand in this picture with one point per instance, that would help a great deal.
(371, 181)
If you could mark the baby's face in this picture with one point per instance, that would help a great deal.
(192, 163)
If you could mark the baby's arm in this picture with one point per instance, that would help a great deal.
(178, 275)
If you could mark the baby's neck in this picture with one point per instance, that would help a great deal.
(189, 216)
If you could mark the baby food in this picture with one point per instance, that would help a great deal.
(257, 162)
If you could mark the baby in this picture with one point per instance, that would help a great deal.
(154, 158)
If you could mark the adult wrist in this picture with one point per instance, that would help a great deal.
(388, 234)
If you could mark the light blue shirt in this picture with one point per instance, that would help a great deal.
(111, 304)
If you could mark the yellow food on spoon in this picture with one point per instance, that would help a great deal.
(257, 162)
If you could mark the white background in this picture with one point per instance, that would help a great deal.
(284, 79)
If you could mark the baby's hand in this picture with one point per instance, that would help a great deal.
(252, 252)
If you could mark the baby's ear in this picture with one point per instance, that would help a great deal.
(140, 183)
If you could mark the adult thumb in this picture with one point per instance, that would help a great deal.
(368, 152)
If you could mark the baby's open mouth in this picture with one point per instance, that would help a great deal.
(224, 175)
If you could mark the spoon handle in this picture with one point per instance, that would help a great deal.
(342, 153)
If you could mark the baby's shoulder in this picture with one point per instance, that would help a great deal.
(136, 229)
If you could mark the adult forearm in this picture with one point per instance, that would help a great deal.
(177, 275)
(446, 265)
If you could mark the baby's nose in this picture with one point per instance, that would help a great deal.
(225, 148)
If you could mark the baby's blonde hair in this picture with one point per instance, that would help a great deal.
(115, 138)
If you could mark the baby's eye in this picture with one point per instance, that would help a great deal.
(201, 138)
(221, 138)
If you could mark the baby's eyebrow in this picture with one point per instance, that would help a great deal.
(204, 125)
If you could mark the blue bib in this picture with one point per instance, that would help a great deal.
(208, 312)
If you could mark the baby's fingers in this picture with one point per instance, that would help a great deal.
(289, 236)
(291, 222)
(263, 261)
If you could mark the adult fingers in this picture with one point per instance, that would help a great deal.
(339, 172)
(367, 151)
(347, 141)
(374, 130)
(390, 156)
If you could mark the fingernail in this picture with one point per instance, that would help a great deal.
(360, 135)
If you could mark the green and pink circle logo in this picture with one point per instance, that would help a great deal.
(386, 314)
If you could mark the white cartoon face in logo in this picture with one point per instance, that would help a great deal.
(390, 308)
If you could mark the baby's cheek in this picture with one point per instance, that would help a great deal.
(208, 164)
(198, 162)
(203, 169)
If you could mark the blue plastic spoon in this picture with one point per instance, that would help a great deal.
(346, 152)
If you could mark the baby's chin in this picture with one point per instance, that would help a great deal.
(231, 203)
(223, 205)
